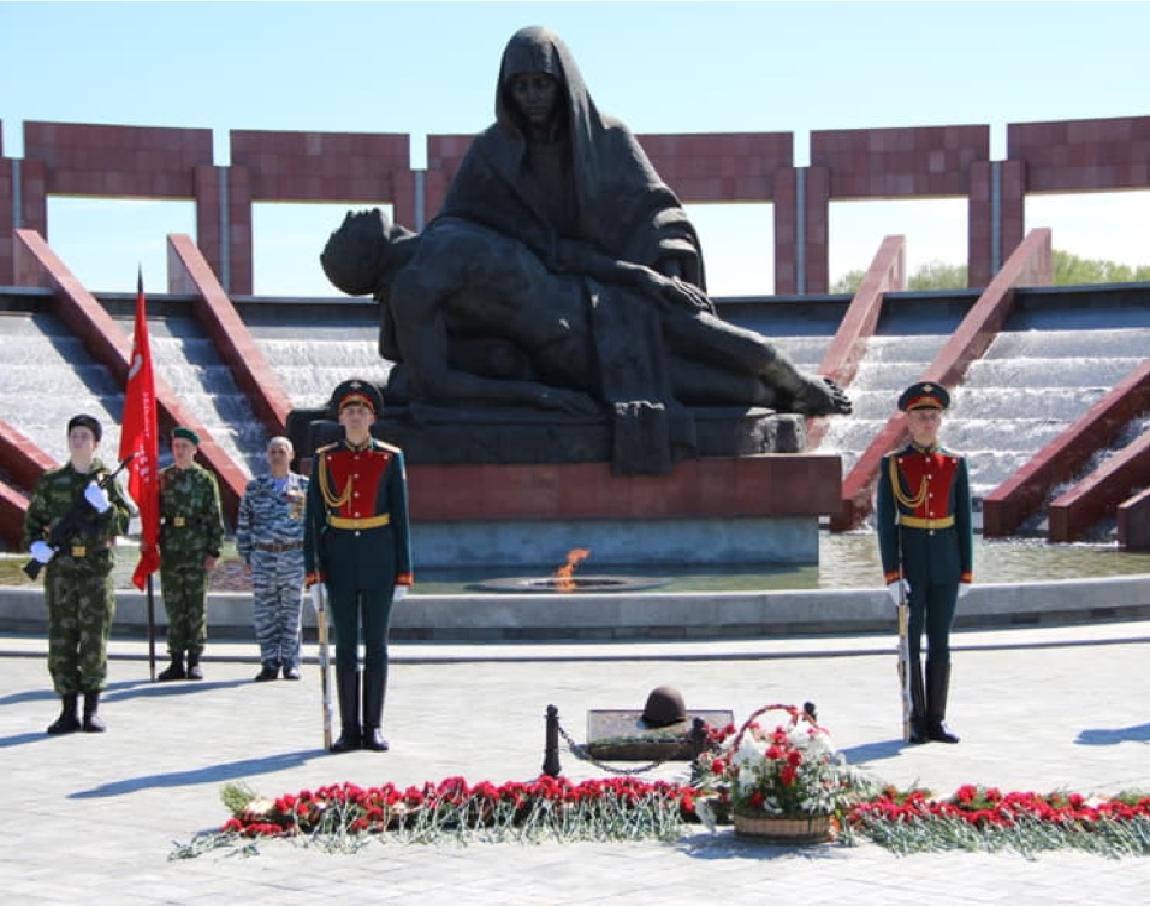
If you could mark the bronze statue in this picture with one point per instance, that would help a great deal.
(552, 170)
(562, 274)
(478, 320)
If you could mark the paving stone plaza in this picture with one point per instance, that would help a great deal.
(93, 818)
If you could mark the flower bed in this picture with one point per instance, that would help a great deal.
(345, 817)
(984, 819)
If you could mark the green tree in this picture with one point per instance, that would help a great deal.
(932, 275)
(1068, 270)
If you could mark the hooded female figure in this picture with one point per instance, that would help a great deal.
(558, 175)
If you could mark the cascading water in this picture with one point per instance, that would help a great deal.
(46, 377)
(188, 361)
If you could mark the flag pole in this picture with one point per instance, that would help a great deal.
(151, 629)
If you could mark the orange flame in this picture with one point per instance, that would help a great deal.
(563, 573)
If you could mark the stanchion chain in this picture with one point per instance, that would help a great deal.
(582, 754)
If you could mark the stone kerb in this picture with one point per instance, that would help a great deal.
(1134, 523)
(647, 616)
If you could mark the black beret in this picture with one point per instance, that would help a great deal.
(86, 421)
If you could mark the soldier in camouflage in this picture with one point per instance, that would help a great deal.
(269, 539)
(191, 532)
(78, 576)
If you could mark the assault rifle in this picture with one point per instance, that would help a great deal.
(77, 520)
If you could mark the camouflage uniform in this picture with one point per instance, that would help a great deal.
(78, 579)
(269, 538)
(192, 529)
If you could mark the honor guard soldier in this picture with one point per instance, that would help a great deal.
(269, 539)
(357, 550)
(926, 542)
(74, 516)
(191, 531)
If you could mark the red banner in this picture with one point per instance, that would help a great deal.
(140, 435)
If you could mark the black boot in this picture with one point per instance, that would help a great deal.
(347, 689)
(268, 672)
(937, 686)
(374, 693)
(92, 722)
(918, 734)
(67, 722)
(175, 670)
(194, 671)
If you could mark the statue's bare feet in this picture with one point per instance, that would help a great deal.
(822, 396)
(572, 402)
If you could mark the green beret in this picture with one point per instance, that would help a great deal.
(186, 434)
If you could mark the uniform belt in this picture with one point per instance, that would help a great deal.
(79, 551)
(181, 521)
(346, 523)
(916, 522)
(279, 548)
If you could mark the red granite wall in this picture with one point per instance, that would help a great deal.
(1083, 155)
(910, 162)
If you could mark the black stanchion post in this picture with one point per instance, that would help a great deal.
(551, 743)
(697, 737)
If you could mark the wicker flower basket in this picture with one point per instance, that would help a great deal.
(768, 829)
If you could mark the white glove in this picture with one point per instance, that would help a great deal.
(98, 497)
(899, 591)
(963, 590)
(318, 597)
(399, 594)
(41, 552)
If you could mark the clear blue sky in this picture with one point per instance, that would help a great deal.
(428, 68)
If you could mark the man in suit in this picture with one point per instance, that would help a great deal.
(357, 545)
(926, 543)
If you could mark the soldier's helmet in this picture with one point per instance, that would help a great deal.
(356, 390)
(664, 708)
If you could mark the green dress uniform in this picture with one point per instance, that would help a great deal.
(191, 529)
(357, 542)
(926, 537)
(77, 581)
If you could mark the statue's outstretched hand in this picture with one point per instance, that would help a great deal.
(572, 401)
(822, 396)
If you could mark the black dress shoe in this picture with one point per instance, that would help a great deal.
(267, 673)
(291, 672)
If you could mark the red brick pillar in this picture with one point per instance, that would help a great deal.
(407, 199)
(7, 197)
(224, 225)
(1013, 206)
(995, 217)
(786, 232)
(802, 213)
(817, 229)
